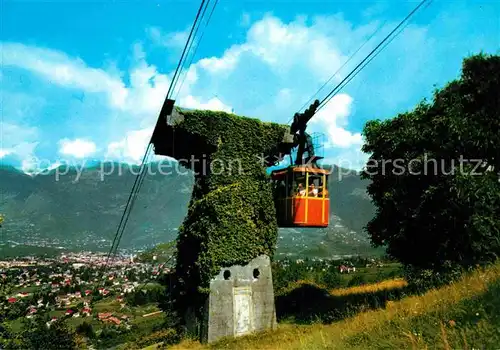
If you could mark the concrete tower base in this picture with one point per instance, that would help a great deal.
(240, 302)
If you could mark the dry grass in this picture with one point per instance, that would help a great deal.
(363, 289)
(400, 325)
(370, 288)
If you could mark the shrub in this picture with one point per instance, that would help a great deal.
(419, 280)
(331, 278)
(86, 330)
(166, 336)
(356, 280)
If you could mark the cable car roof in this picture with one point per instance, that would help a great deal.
(299, 169)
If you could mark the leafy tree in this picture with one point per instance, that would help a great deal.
(434, 174)
(356, 280)
(85, 329)
(163, 253)
(86, 274)
(37, 335)
(131, 275)
(331, 278)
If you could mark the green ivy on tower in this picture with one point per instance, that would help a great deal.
(231, 217)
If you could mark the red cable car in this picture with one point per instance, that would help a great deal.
(301, 190)
(301, 196)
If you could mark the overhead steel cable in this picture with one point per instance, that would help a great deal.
(124, 218)
(172, 84)
(140, 178)
(367, 62)
(197, 45)
(180, 66)
(336, 89)
(351, 56)
(142, 175)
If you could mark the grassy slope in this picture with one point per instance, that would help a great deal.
(464, 315)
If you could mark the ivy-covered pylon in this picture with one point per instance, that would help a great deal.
(231, 217)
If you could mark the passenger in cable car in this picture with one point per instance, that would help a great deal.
(313, 192)
(301, 191)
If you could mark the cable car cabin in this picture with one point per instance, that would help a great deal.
(301, 196)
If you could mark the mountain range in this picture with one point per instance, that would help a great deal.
(80, 208)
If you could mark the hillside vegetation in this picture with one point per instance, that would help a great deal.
(462, 315)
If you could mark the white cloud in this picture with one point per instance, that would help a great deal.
(214, 104)
(77, 148)
(131, 148)
(4, 152)
(25, 149)
(226, 63)
(284, 47)
(17, 140)
(63, 70)
(333, 119)
(139, 103)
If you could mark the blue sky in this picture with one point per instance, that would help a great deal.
(85, 80)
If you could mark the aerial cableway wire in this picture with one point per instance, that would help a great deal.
(185, 52)
(172, 85)
(197, 45)
(367, 62)
(140, 178)
(355, 70)
(351, 56)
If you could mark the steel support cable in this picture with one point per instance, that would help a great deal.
(321, 105)
(367, 62)
(351, 56)
(190, 42)
(172, 84)
(120, 225)
(197, 45)
(139, 178)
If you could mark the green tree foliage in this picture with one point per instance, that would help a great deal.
(331, 277)
(37, 335)
(438, 207)
(356, 280)
(284, 275)
(231, 217)
(163, 253)
(143, 296)
(85, 329)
